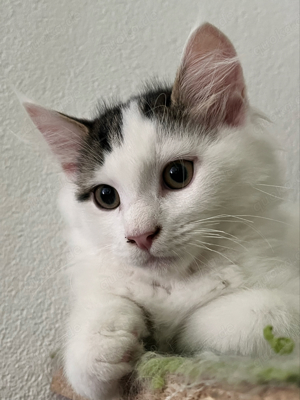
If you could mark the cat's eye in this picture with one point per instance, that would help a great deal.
(178, 174)
(106, 196)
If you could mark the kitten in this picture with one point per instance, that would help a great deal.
(165, 198)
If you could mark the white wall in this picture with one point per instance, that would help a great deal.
(66, 55)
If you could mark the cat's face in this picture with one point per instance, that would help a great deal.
(153, 180)
(222, 168)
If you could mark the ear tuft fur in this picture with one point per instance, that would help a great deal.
(210, 83)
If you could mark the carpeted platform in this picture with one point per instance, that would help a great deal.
(208, 377)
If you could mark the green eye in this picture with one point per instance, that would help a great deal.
(178, 174)
(106, 196)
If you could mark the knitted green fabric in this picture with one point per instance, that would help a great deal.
(281, 345)
(283, 367)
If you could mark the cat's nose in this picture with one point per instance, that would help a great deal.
(144, 241)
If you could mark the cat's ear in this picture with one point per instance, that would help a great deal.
(210, 83)
(63, 134)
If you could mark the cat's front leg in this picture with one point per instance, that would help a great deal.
(103, 344)
(234, 323)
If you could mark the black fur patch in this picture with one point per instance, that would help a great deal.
(107, 128)
(155, 101)
(104, 132)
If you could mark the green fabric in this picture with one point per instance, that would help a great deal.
(155, 368)
(281, 345)
(283, 367)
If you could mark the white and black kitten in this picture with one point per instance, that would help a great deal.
(161, 199)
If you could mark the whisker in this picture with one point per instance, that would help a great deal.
(269, 194)
(225, 238)
(213, 244)
(241, 217)
(194, 258)
(214, 251)
(276, 186)
(223, 217)
(265, 239)
(208, 230)
(266, 218)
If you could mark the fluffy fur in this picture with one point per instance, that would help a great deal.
(225, 263)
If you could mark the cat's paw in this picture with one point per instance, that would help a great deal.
(95, 361)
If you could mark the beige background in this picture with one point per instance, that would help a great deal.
(66, 55)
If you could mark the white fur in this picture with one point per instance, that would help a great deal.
(227, 255)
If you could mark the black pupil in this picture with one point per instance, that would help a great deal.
(178, 173)
(108, 195)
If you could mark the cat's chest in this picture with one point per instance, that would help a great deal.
(172, 301)
(161, 298)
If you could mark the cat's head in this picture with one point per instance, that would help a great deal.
(154, 179)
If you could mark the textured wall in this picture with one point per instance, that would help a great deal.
(66, 55)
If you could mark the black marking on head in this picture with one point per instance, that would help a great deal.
(105, 131)
(107, 128)
(155, 102)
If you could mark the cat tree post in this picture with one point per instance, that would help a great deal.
(204, 391)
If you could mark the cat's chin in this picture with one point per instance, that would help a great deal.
(158, 262)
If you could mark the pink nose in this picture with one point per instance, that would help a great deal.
(144, 241)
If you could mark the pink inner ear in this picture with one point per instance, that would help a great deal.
(208, 39)
(63, 134)
(210, 80)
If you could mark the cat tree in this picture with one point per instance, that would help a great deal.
(177, 389)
